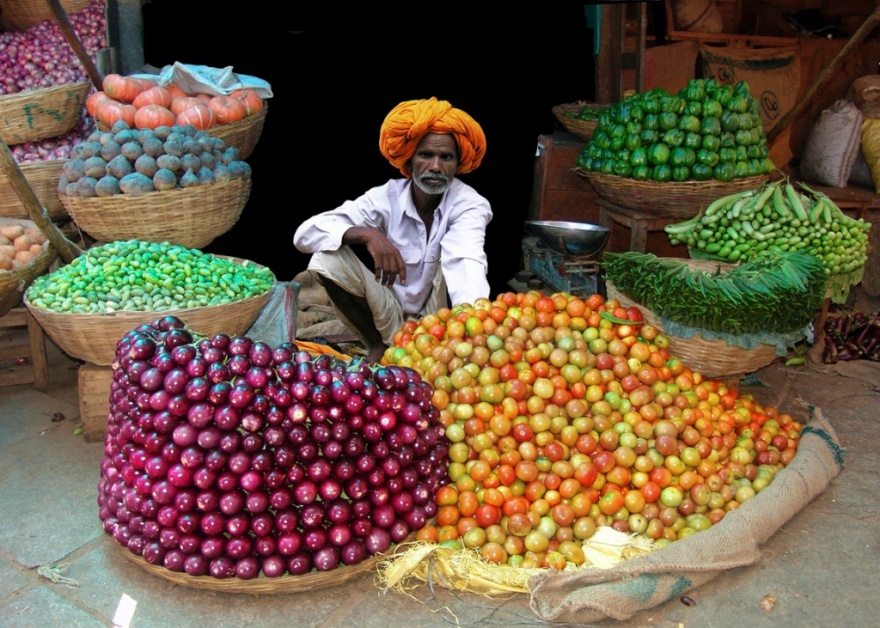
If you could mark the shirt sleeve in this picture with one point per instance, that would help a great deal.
(324, 231)
(463, 253)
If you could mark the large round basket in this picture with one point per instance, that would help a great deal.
(674, 199)
(93, 337)
(36, 114)
(43, 177)
(713, 358)
(567, 116)
(20, 15)
(191, 217)
(14, 283)
(261, 585)
(243, 134)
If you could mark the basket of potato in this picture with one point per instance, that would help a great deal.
(25, 254)
(170, 184)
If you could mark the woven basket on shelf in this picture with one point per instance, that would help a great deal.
(243, 134)
(713, 358)
(192, 217)
(93, 337)
(581, 128)
(37, 114)
(13, 283)
(43, 177)
(674, 199)
(20, 15)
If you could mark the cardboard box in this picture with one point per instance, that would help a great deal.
(94, 400)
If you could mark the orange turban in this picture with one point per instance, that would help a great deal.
(410, 121)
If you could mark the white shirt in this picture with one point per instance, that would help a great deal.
(456, 241)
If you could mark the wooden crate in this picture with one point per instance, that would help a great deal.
(557, 192)
(94, 400)
(22, 338)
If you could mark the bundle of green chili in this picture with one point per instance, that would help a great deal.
(775, 292)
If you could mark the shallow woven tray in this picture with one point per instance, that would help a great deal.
(312, 581)
(675, 199)
(583, 129)
(243, 134)
(712, 358)
(43, 177)
(93, 337)
(13, 283)
(191, 217)
(36, 114)
(19, 15)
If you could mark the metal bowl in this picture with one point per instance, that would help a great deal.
(571, 239)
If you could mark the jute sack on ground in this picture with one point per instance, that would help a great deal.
(637, 584)
(316, 317)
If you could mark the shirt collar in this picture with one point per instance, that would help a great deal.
(410, 208)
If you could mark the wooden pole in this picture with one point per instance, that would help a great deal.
(73, 41)
(825, 75)
(66, 249)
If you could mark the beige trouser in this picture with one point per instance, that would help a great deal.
(345, 269)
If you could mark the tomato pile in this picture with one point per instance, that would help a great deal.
(565, 414)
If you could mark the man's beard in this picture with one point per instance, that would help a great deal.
(424, 183)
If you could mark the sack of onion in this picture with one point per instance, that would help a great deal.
(230, 464)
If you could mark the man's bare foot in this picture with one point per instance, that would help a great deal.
(374, 356)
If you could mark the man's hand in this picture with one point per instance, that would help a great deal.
(387, 261)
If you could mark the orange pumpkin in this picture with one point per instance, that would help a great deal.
(111, 110)
(156, 95)
(179, 103)
(122, 88)
(176, 90)
(145, 82)
(152, 116)
(253, 102)
(200, 116)
(92, 102)
(205, 98)
(227, 109)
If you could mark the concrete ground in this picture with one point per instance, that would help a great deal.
(58, 567)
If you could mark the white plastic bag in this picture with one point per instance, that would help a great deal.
(202, 79)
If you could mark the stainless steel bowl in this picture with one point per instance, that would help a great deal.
(571, 239)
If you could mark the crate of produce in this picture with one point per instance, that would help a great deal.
(179, 185)
(36, 114)
(18, 275)
(87, 306)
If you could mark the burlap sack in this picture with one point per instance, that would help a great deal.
(315, 316)
(590, 595)
(865, 93)
(773, 75)
(833, 145)
(701, 16)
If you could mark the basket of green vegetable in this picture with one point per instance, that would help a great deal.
(579, 118)
(723, 320)
(779, 216)
(673, 154)
(87, 306)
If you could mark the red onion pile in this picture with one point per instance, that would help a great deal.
(229, 458)
(60, 147)
(40, 56)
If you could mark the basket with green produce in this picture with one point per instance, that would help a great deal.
(88, 305)
(673, 154)
(779, 216)
(579, 118)
(722, 319)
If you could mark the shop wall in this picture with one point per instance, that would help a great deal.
(335, 77)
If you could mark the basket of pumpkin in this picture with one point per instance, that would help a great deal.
(237, 118)
(171, 184)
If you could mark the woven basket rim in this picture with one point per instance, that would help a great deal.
(31, 94)
(713, 358)
(667, 186)
(43, 176)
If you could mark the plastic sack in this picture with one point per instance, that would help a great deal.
(202, 79)
(276, 323)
